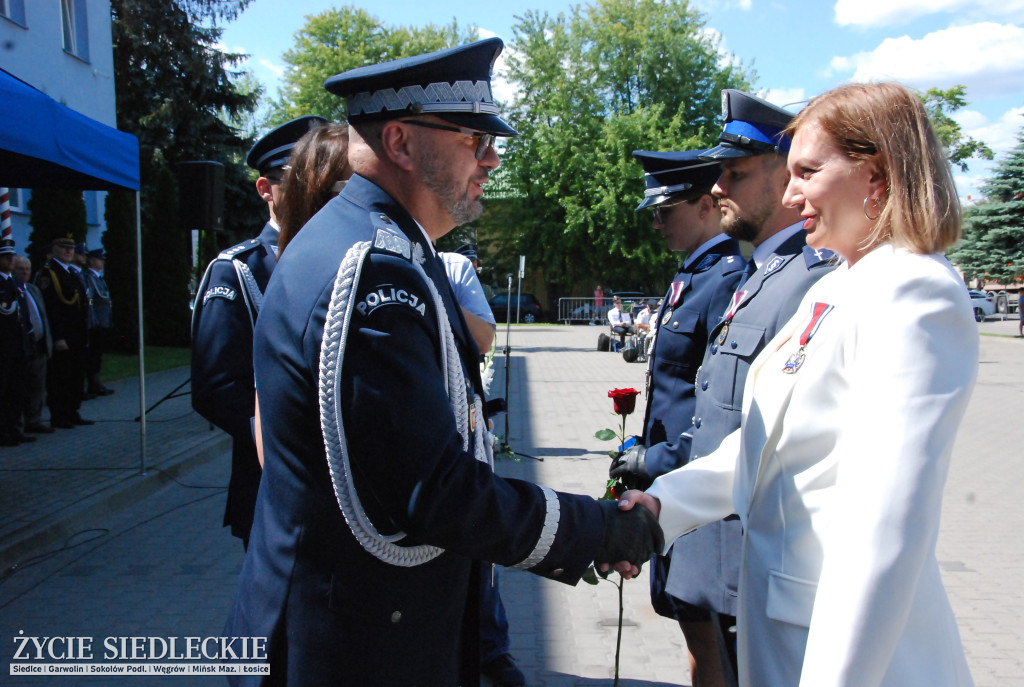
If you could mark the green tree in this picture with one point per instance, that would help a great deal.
(165, 268)
(959, 146)
(121, 268)
(340, 39)
(992, 248)
(612, 77)
(55, 212)
(185, 100)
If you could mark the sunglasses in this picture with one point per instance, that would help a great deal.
(662, 212)
(486, 140)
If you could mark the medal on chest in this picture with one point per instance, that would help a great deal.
(737, 300)
(818, 313)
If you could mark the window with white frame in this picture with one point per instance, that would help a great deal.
(76, 28)
(13, 10)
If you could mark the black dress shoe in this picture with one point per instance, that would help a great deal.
(104, 391)
(24, 438)
(88, 396)
(9, 441)
(79, 420)
(38, 429)
(62, 424)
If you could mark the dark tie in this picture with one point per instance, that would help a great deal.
(749, 270)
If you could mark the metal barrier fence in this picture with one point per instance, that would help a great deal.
(585, 310)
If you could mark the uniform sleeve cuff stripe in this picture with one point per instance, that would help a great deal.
(547, 533)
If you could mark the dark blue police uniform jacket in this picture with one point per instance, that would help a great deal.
(694, 304)
(223, 390)
(332, 612)
(705, 563)
(702, 293)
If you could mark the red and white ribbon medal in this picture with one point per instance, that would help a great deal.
(737, 299)
(818, 313)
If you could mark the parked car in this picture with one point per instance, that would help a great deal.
(529, 307)
(981, 302)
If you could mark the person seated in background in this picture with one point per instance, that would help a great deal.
(621, 322)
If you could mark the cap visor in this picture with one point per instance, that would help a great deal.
(725, 152)
(491, 124)
(651, 201)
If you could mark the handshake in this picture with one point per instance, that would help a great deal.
(631, 537)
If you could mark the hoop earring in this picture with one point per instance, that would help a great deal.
(878, 205)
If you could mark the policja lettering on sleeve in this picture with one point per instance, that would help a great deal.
(386, 294)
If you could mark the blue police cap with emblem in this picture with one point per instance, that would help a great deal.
(670, 174)
(272, 151)
(80, 248)
(453, 84)
(97, 253)
(752, 127)
(7, 247)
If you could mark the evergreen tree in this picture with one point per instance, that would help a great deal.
(55, 212)
(166, 268)
(992, 248)
(177, 92)
(121, 272)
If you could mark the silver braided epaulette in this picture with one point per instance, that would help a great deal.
(332, 353)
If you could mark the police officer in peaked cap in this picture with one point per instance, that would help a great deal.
(224, 314)
(678, 190)
(752, 151)
(67, 306)
(378, 498)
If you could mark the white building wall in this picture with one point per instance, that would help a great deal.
(34, 52)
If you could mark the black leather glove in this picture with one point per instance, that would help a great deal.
(631, 468)
(631, 535)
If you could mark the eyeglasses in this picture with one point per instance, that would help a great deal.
(486, 140)
(661, 212)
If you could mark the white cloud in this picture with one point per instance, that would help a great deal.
(1000, 135)
(276, 69)
(868, 13)
(988, 58)
(793, 99)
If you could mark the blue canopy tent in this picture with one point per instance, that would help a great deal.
(44, 144)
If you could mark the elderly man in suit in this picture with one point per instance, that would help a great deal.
(42, 349)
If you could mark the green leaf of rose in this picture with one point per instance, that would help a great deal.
(605, 435)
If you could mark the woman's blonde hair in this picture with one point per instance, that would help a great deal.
(886, 124)
(317, 162)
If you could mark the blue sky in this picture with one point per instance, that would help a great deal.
(799, 48)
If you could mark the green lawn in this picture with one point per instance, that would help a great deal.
(120, 366)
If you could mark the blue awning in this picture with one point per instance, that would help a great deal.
(44, 144)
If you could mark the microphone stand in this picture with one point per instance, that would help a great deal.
(504, 446)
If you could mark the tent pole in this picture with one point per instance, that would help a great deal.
(142, 350)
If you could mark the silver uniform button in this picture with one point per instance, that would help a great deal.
(396, 616)
(557, 572)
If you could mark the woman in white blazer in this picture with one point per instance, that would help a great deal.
(849, 417)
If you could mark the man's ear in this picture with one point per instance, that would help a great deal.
(263, 188)
(397, 144)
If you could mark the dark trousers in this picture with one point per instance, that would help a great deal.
(94, 359)
(494, 639)
(35, 384)
(12, 394)
(65, 380)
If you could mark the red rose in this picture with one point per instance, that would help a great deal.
(624, 400)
